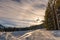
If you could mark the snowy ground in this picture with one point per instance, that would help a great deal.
(56, 34)
(39, 34)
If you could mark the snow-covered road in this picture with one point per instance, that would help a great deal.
(39, 34)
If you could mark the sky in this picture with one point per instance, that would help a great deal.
(22, 13)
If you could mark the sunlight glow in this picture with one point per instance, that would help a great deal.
(22, 14)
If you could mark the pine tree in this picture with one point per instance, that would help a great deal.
(49, 16)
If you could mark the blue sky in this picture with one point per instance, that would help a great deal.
(22, 13)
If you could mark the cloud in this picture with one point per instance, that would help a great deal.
(39, 6)
(21, 13)
(16, 0)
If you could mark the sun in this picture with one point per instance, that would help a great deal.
(37, 20)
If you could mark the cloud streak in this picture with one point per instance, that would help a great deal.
(21, 13)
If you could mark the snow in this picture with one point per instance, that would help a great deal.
(56, 33)
(39, 34)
